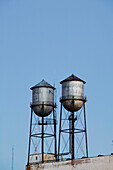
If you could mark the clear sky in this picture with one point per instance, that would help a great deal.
(51, 39)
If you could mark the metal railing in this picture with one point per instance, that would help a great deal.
(71, 97)
(51, 103)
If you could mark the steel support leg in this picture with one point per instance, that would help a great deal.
(85, 131)
(73, 154)
(43, 133)
(59, 131)
(30, 137)
(54, 117)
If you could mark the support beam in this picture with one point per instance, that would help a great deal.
(30, 137)
(73, 154)
(42, 133)
(54, 117)
(59, 130)
(85, 131)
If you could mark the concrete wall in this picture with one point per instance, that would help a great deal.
(95, 163)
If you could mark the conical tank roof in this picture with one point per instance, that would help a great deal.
(72, 78)
(43, 83)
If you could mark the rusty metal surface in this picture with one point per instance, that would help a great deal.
(68, 105)
(32, 167)
(94, 163)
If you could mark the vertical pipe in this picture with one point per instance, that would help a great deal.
(54, 117)
(12, 156)
(30, 137)
(73, 130)
(70, 134)
(59, 130)
(42, 133)
(85, 131)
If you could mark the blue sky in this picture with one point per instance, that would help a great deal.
(51, 39)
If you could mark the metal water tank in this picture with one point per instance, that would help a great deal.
(72, 89)
(42, 98)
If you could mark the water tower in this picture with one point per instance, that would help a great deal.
(72, 126)
(42, 124)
